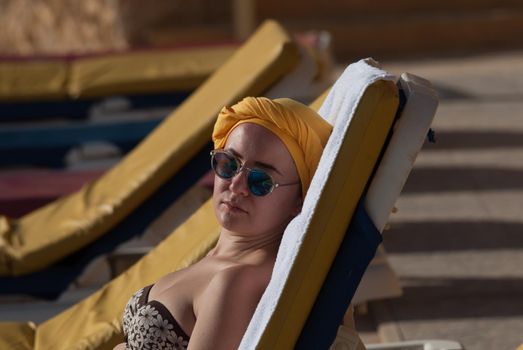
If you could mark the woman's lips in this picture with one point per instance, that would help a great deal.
(233, 208)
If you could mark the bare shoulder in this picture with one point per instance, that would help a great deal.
(236, 288)
(226, 307)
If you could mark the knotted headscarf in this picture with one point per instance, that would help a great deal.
(303, 131)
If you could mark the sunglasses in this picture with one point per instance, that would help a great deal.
(226, 165)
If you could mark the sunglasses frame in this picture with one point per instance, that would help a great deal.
(241, 168)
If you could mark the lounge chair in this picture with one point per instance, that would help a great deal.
(36, 250)
(417, 109)
(319, 267)
(68, 87)
(298, 309)
(146, 84)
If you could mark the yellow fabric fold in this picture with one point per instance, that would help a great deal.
(303, 131)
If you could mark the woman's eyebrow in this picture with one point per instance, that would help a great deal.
(267, 166)
(257, 163)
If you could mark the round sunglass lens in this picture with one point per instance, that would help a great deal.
(224, 165)
(260, 183)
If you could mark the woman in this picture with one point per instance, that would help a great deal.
(266, 152)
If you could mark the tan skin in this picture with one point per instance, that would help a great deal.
(214, 299)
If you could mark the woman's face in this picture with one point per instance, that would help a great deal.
(236, 208)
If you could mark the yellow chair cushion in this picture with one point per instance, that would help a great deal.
(357, 156)
(145, 72)
(29, 80)
(95, 323)
(140, 72)
(78, 219)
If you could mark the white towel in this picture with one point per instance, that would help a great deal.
(406, 141)
(338, 109)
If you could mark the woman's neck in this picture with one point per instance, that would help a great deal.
(242, 248)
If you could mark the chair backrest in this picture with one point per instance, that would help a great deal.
(317, 277)
(364, 232)
(362, 104)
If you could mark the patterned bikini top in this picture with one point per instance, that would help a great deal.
(150, 325)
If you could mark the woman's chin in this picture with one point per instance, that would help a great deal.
(231, 221)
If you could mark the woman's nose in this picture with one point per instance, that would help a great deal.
(239, 183)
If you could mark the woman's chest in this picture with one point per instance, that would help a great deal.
(181, 292)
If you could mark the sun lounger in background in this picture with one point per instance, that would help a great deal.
(125, 199)
(68, 87)
(122, 96)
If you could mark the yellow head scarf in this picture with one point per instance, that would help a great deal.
(303, 131)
